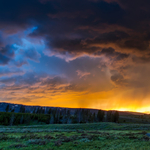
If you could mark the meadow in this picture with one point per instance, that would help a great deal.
(92, 136)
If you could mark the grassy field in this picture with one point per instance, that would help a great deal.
(105, 136)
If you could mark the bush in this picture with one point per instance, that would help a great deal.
(58, 143)
(66, 139)
(146, 138)
(48, 137)
(3, 137)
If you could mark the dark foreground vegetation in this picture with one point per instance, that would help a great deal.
(71, 129)
(92, 136)
(15, 114)
(56, 116)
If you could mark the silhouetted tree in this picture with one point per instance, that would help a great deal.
(94, 117)
(116, 116)
(21, 119)
(100, 115)
(13, 110)
(22, 109)
(34, 111)
(109, 116)
(49, 111)
(42, 110)
(68, 116)
(7, 108)
(51, 119)
(38, 111)
(12, 119)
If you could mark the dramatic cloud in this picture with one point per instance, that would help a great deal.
(89, 53)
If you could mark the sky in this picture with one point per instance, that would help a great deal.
(76, 53)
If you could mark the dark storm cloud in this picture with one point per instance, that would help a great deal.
(6, 54)
(106, 38)
(103, 44)
(139, 44)
(17, 11)
(72, 46)
(8, 50)
(111, 53)
(141, 59)
(68, 26)
(4, 59)
(77, 45)
(63, 23)
(79, 29)
(137, 13)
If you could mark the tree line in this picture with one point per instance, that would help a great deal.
(56, 116)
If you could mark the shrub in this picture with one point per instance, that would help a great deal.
(74, 137)
(84, 134)
(58, 143)
(48, 137)
(66, 139)
(132, 137)
(93, 137)
(146, 138)
(4, 137)
(143, 132)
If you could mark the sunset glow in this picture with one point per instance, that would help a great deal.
(75, 54)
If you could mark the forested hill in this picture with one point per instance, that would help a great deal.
(14, 114)
(10, 107)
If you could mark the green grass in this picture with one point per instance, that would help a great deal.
(105, 136)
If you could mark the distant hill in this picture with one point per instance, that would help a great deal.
(124, 116)
(130, 113)
(30, 109)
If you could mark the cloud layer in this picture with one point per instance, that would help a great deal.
(89, 53)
